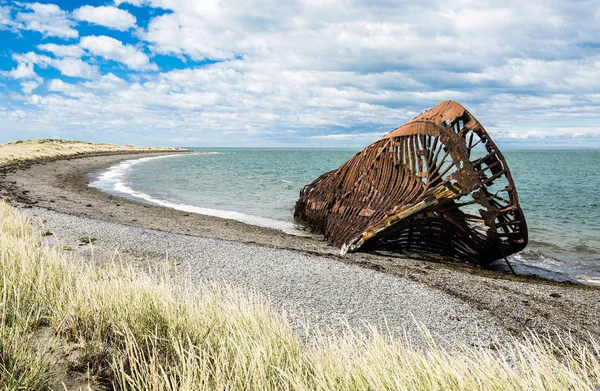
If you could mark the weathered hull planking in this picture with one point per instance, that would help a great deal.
(437, 184)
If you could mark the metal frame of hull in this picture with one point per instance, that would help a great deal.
(437, 184)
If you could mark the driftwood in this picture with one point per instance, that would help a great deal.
(437, 184)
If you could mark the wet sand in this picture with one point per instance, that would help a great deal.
(516, 304)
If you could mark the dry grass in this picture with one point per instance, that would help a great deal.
(23, 151)
(134, 331)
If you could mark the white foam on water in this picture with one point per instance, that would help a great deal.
(589, 280)
(538, 260)
(550, 268)
(111, 180)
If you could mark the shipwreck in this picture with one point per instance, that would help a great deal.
(436, 185)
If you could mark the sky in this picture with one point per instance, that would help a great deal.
(306, 73)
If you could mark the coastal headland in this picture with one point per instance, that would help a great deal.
(302, 275)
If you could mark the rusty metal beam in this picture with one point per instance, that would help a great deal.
(437, 184)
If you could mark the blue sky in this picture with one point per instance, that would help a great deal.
(326, 73)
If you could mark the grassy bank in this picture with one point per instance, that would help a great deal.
(63, 321)
(24, 151)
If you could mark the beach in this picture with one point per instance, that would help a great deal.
(299, 196)
(301, 275)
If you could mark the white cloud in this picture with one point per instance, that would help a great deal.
(5, 18)
(62, 50)
(24, 70)
(177, 34)
(110, 17)
(29, 85)
(108, 82)
(113, 49)
(68, 66)
(325, 73)
(547, 76)
(47, 19)
(263, 102)
(350, 136)
(74, 67)
(137, 3)
(367, 36)
(26, 73)
(60, 86)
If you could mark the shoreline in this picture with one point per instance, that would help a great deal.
(62, 186)
(518, 303)
(109, 181)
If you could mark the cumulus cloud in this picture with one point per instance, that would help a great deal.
(29, 85)
(543, 76)
(68, 66)
(47, 19)
(113, 49)
(108, 82)
(111, 17)
(261, 102)
(334, 72)
(62, 50)
(60, 86)
(349, 136)
(5, 18)
(74, 67)
(366, 36)
(24, 70)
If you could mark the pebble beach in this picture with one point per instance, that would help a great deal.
(301, 276)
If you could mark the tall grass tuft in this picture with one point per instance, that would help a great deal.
(136, 331)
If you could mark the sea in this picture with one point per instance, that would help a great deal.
(559, 191)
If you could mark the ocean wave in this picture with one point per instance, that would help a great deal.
(540, 259)
(580, 248)
(111, 180)
(584, 248)
(535, 262)
(589, 280)
(113, 173)
(540, 243)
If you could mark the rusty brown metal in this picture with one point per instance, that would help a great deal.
(437, 184)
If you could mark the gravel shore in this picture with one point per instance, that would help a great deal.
(300, 275)
(315, 291)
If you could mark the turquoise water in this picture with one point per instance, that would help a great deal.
(557, 190)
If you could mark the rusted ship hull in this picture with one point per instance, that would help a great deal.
(437, 184)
